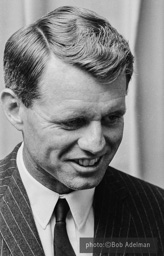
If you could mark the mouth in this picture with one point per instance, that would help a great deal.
(88, 162)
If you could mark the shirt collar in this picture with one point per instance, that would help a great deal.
(80, 203)
(43, 200)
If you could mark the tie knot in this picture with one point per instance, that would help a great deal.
(61, 210)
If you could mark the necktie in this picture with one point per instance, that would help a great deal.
(62, 246)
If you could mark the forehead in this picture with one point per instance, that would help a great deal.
(71, 88)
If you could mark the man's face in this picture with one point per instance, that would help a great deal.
(73, 131)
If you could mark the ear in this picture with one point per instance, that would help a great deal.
(12, 108)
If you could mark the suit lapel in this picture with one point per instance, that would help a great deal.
(18, 228)
(112, 219)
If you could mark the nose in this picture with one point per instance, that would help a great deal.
(92, 140)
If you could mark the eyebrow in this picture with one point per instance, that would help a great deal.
(68, 117)
(73, 114)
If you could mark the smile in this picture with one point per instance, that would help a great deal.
(87, 162)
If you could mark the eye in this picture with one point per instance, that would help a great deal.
(113, 119)
(74, 124)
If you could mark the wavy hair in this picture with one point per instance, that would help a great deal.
(78, 37)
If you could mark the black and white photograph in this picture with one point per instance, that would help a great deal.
(81, 128)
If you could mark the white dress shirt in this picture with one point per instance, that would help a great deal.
(80, 218)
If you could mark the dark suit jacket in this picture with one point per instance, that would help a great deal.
(124, 206)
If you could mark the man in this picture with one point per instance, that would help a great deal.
(66, 79)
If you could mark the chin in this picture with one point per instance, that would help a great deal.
(81, 185)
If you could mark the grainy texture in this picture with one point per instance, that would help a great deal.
(124, 207)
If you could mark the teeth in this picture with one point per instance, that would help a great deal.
(87, 162)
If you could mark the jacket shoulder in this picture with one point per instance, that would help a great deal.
(135, 186)
(141, 198)
(7, 167)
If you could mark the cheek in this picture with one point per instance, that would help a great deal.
(57, 144)
(114, 136)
